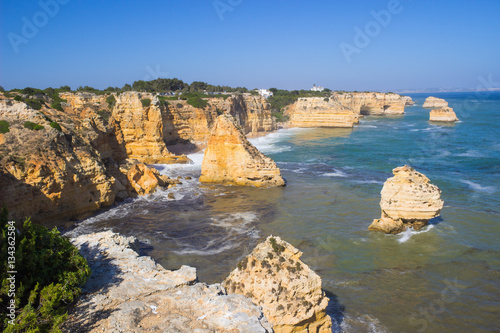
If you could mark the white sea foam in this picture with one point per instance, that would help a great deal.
(368, 182)
(478, 187)
(336, 173)
(272, 143)
(472, 153)
(408, 233)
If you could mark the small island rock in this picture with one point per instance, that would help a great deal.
(435, 103)
(408, 200)
(443, 115)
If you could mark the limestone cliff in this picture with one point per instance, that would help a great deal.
(445, 114)
(408, 200)
(343, 109)
(321, 112)
(186, 123)
(288, 291)
(129, 293)
(46, 173)
(435, 103)
(231, 159)
(141, 128)
(408, 101)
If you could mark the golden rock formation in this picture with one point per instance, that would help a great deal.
(231, 159)
(288, 291)
(445, 114)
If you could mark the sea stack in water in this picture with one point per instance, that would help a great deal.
(408, 200)
(145, 180)
(288, 291)
(231, 159)
(435, 103)
(443, 115)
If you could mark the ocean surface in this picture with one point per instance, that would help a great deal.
(444, 278)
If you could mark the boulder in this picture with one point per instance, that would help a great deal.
(231, 159)
(434, 102)
(145, 180)
(408, 200)
(443, 115)
(288, 291)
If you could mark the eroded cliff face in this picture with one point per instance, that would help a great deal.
(321, 112)
(231, 159)
(47, 174)
(407, 200)
(343, 109)
(288, 291)
(141, 128)
(186, 123)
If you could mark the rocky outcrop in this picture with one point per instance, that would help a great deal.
(231, 159)
(434, 103)
(140, 128)
(146, 180)
(288, 291)
(130, 293)
(321, 112)
(408, 200)
(343, 109)
(445, 114)
(408, 101)
(46, 173)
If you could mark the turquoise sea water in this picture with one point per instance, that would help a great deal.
(444, 278)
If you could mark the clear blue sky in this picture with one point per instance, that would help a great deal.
(259, 43)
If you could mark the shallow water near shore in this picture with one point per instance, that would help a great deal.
(443, 278)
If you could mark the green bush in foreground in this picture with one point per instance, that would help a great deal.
(38, 127)
(49, 274)
(4, 126)
(56, 126)
(29, 125)
(146, 102)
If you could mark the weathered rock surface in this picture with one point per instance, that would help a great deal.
(445, 114)
(141, 128)
(231, 159)
(321, 112)
(48, 174)
(408, 101)
(343, 109)
(373, 103)
(146, 180)
(288, 291)
(434, 102)
(408, 200)
(131, 293)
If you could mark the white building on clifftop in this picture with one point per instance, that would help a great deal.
(318, 88)
(265, 93)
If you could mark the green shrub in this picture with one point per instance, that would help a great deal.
(49, 274)
(7, 94)
(29, 125)
(33, 103)
(4, 126)
(326, 99)
(163, 101)
(280, 117)
(38, 127)
(18, 98)
(111, 100)
(180, 105)
(56, 126)
(56, 101)
(197, 102)
(104, 114)
(146, 102)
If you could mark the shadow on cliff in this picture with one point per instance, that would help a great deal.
(335, 310)
(84, 315)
